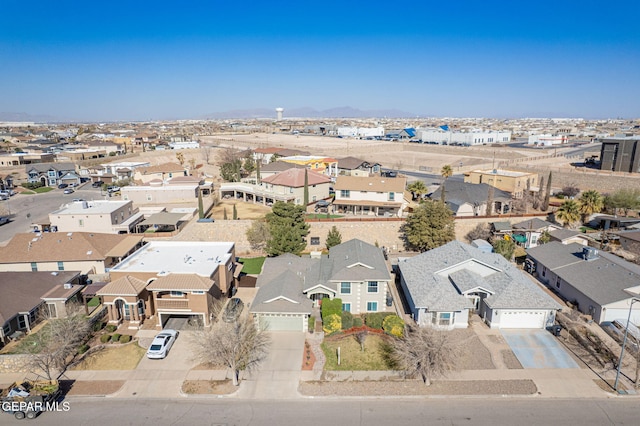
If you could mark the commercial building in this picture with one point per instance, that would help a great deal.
(620, 154)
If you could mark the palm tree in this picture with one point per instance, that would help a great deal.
(418, 188)
(590, 202)
(446, 173)
(568, 213)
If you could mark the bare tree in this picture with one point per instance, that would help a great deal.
(237, 345)
(361, 337)
(229, 155)
(55, 344)
(427, 352)
(206, 153)
(480, 232)
(258, 234)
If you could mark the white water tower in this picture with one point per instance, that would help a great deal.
(279, 112)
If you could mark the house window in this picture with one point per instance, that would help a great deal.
(6, 329)
(176, 294)
(315, 241)
(392, 196)
(140, 307)
(22, 322)
(557, 282)
(345, 288)
(197, 292)
(149, 197)
(51, 310)
(80, 222)
(444, 318)
(544, 271)
(346, 307)
(34, 266)
(345, 193)
(372, 287)
(60, 266)
(534, 239)
(314, 197)
(372, 306)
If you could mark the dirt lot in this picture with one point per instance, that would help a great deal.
(93, 388)
(112, 357)
(245, 210)
(209, 387)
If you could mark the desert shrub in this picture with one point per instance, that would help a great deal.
(125, 338)
(115, 337)
(82, 349)
(105, 338)
(393, 325)
(111, 328)
(331, 324)
(98, 325)
(331, 307)
(357, 322)
(347, 320)
(374, 319)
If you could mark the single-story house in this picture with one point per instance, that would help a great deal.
(600, 284)
(444, 286)
(470, 199)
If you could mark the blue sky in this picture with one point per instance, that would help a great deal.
(138, 60)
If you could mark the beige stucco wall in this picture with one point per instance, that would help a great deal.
(141, 195)
(86, 267)
(92, 221)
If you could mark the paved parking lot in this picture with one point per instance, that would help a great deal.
(538, 349)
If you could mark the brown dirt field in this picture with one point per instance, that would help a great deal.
(245, 210)
(510, 360)
(208, 387)
(94, 388)
(112, 357)
(478, 359)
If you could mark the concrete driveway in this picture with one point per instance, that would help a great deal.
(538, 349)
(279, 375)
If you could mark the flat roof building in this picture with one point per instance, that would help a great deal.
(620, 154)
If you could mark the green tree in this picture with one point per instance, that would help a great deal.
(333, 237)
(590, 202)
(504, 247)
(568, 213)
(429, 226)
(417, 188)
(545, 237)
(625, 199)
(306, 188)
(231, 171)
(288, 229)
(446, 172)
(249, 164)
(200, 205)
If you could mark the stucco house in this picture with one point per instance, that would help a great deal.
(444, 286)
(291, 182)
(101, 216)
(49, 174)
(470, 199)
(352, 166)
(370, 196)
(163, 172)
(600, 284)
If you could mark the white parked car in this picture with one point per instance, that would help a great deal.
(162, 344)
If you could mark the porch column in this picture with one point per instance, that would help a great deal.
(111, 315)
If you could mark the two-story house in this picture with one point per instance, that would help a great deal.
(50, 174)
(291, 183)
(289, 286)
(160, 172)
(102, 216)
(376, 195)
(166, 279)
(352, 166)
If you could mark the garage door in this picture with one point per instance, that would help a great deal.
(522, 319)
(281, 323)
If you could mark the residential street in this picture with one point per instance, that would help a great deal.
(349, 411)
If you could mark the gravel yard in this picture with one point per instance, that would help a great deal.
(90, 388)
(417, 388)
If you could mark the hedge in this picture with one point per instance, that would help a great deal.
(331, 307)
(82, 349)
(331, 324)
(393, 325)
(115, 337)
(111, 328)
(347, 320)
(105, 338)
(125, 338)
(375, 319)
(357, 322)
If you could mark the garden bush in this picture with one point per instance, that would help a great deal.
(82, 349)
(331, 307)
(357, 322)
(393, 325)
(116, 337)
(331, 324)
(375, 319)
(98, 325)
(105, 338)
(347, 320)
(111, 328)
(31, 185)
(125, 338)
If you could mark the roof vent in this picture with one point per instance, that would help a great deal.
(68, 286)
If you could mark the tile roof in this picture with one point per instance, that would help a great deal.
(370, 183)
(181, 282)
(162, 168)
(124, 286)
(60, 247)
(280, 166)
(295, 178)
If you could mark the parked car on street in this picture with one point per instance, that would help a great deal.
(4, 219)
(97, 184)
(111, 189)
(69, 191)
(161, 344)
(232, 310)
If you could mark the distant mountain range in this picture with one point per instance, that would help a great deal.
(306, 112)
(24, 117)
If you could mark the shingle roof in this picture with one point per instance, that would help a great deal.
(533, 224)
(564, 234)
(124, 286)
(350, 163)
(458, 192)
(602, 280)
(60, 247)
(280, 166)
(43, 167)
(282, 294)
(295, 178)
(429, 278)
(356, 260)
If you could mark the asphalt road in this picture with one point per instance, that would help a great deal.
(38, 207)
(347, 411)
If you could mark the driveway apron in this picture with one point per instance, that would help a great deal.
(279, 375)
(538, 349)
